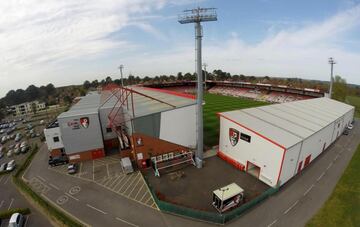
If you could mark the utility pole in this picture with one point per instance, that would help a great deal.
(205, 65)
(197, 16)
(332, 63)
(121, 74)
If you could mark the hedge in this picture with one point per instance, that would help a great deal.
(7, 214)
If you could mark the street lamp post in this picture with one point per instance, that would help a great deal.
(332, 63)
(121, 74)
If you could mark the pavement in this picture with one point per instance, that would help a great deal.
(96, 205)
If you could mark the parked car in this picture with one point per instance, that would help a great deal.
(18, 137)
(23, 144)
(3, 167)
(9, 153)
(11, 146)
(12, 136)
(72, 168)
(24, 149)
(16, 220)
(346, 132)
(42, 122)
(350, 126)
(17, 150)
(3, 139)
(60, 160)
(11, 165)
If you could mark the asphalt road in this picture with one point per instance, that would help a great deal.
(294, 204)
(11, 198)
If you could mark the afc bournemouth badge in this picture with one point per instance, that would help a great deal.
(233, 136)
(84, 121)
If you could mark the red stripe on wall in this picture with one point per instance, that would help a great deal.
(232, 161)
(188, 96)
(262, 136)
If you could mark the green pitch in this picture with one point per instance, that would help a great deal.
(220, 103)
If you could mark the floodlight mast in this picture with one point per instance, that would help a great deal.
(197, 16)
(205, 65)
(121, 74)
(332, 63)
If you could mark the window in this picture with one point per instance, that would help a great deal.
(245, 137)
(56, 139)
(108, 130)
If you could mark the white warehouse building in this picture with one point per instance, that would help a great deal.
(275, 142)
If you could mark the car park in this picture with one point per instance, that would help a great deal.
(17, 150)
(18, 137)
(346, 132)
(11, 165)
(59, 160)
(350, 126)
(72, 168)
(12, 136)
(1, 154)
(24, 149)
(3, 139)
(11, 146)
(16, 220)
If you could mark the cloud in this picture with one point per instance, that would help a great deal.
(300, 51)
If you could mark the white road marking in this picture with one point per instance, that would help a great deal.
(319, 178)
(26, 220)
(41, 178)
(54, 186)
(12, 200)
(292, 206)
(1, 178)
(129, 223)
(329, 166)
(103, 212)
(2, 203)
(139, 191)
(337, 156)
(135, 186)
(308, 190)
(71, 196)
(132, 181)
(7, 179)
(272, 223)
(107, 170)
(127, 180)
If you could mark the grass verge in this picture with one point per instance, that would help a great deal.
(354, 101)
(58, 216)
(343, 206)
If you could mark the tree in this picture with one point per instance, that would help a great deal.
(67, 99)
(87, 85)
(339, 89)
(179, 76)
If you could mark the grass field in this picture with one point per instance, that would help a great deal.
(343, 206)
(355, 101)
(219, 103)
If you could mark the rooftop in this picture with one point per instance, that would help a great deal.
(289, 123)
(152, 101)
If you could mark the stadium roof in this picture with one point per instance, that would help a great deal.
(289, 123)
(153, 101)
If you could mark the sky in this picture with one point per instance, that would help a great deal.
(66, 42)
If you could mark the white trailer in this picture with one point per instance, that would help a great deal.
(275, 142)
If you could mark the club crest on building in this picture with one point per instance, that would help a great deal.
(84, 121)
(233, 136)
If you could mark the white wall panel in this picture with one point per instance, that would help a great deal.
(179, 126)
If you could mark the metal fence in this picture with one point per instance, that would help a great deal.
(208, 216)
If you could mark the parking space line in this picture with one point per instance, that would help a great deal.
(71, 196)
(26, 220)
(41, 178)
(121, 179)
(54, 186)
(329, 166)
(126, 182)
(103, 212)
(272, 223)
(319, 178)
(131, 183)
(1, 178)
(12, 200)
(138, 181)
(107, 170)
(7, 179)
(111, 182)
(117, 178)
(129, 223)
(146, 192)
(148, 199)
(2, 203)
(139, 191)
